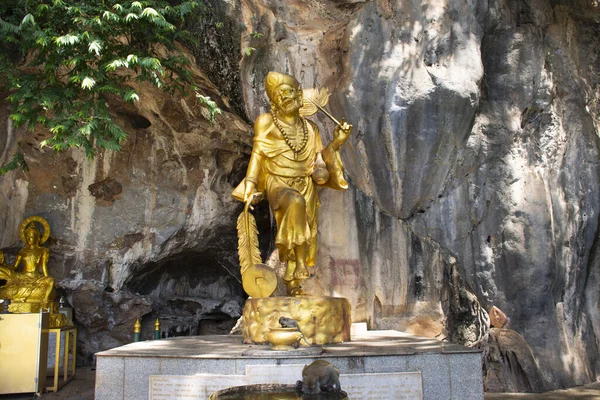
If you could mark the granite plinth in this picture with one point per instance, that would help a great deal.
(204, 364)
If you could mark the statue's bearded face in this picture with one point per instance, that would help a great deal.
(288, 98)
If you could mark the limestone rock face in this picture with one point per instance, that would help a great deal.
(473, 170)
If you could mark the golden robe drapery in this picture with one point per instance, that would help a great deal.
(285, 178)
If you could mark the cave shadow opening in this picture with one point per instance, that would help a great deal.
(192, 293)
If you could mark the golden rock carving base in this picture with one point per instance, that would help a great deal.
(322, 320)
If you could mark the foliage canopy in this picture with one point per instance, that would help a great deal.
(61, 60)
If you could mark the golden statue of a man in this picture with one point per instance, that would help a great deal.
(287, 164)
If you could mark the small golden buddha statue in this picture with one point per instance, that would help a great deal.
(29, 289)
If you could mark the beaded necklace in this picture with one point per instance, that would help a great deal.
(295, 146)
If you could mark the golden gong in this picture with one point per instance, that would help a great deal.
(287, 165)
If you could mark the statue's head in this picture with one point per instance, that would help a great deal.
(32, 234)
(284, 91)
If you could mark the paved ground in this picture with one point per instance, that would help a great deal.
(587, 392)
(82, 388)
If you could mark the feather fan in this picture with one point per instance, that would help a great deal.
(248, 250)
(311, 99)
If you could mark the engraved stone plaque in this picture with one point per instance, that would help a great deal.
(383, 386)
(193, 387)
(377, 386)
(286, 374)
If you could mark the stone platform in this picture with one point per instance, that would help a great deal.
(374, 365)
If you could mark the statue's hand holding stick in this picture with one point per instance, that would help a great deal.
(342, 130)
(341, 134)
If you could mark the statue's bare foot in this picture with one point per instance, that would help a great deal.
(289, 276)
(289, 271)
(301, 272)
(297, 291)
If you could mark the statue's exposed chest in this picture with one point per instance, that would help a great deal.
(298, 142)
(31, 258)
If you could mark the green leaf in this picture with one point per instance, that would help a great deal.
(28, 20)
(131, 96)
(57, 129)
(212, 107)
(130, 17)
(18, 160)
(109, 16)
(150, 12)
(187, 7)
(95, 46)
(108, 89)
(67, 39)
(132, 59)
(7, 27)
(113, 65)
(85, 130)
(18, 119)
(151, 63)
(42, 40)
(88, 83)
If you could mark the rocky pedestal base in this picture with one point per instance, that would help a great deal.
(322, 320)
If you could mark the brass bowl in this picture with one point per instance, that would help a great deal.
(283, 338)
